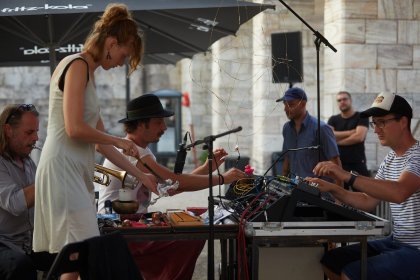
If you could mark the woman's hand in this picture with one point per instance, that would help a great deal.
(149, 181)
(128, 147)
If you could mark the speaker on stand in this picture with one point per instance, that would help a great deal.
(286, 52)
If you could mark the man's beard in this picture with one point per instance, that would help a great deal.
(345, 110)
(158, 138)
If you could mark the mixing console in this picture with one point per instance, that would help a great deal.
(276, 199)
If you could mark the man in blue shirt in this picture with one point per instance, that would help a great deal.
(302, 131)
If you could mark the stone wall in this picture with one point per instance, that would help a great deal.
(377, 43)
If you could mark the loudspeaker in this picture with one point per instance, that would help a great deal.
(286, 57)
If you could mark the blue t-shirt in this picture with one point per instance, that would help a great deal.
(301, 163)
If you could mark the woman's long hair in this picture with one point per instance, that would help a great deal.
(117, 22)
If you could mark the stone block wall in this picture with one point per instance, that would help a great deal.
(377, 51)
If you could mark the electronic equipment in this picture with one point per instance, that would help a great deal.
(276, 199)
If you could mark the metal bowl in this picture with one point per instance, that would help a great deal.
(125, 207)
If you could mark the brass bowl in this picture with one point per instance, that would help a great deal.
(125, 207)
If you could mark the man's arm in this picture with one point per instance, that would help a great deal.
(358, 200)
(340, 135)
(358, 136)
(392, 191)
(14, 199)
(189, 182)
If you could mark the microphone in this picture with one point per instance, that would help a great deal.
(181, 155)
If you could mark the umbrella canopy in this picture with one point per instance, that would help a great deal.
(173, 29)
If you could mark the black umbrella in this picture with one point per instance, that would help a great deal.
(173, 29)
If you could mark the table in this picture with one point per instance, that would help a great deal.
(307, 233)
(227, 235)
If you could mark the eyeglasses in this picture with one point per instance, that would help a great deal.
(21, 108)
(381, 123)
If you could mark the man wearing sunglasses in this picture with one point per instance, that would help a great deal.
(18, 135)
(350, 132)
(398, 182)
(302, 131)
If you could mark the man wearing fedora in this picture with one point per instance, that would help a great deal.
(144, 124)
(302, 131)
(398, 182)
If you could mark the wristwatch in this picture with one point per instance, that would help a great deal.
(353, 176)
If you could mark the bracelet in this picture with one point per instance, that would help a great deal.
(221, 179)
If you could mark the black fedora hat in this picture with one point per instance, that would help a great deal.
(144, 107)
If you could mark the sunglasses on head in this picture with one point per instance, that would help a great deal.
(21, 108)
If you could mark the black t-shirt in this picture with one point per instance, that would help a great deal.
(353, 153)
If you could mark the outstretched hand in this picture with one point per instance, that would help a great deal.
(219, 156)
(233, 175)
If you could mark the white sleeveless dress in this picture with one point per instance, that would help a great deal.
(64, 193)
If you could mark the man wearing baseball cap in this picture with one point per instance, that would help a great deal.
(144, 123)
(398, 182)
(302, 131)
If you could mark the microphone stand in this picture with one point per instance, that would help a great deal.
(208, 141)
(290, 150)
(319, 39)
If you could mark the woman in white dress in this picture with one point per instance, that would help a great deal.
(64, 198)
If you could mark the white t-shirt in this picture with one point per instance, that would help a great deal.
(111, 192)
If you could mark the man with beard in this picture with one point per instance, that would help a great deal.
(350, 132)
(18, 134)
(302, 131)
(144, 124)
